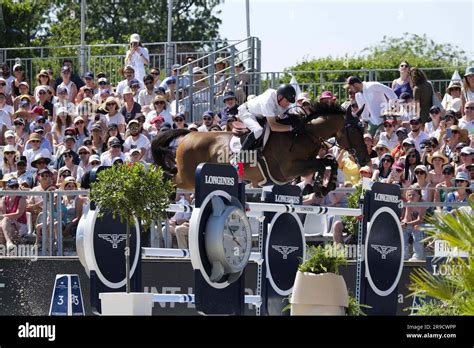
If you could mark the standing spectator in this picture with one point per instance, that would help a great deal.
(130, 107)
(372, 96)
(230, 109)
(7, 77)
(402, 84)
(467, 121)
(13, 224)
(416, 134)
(242, 80)
(422, 93)
(146, 95)
(137, 56)
(67, 83)
(220, 76)
(74, 77)
(412, 219)
(468, 85)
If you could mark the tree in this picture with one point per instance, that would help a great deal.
(130, 191)
(22, 22)
(114, 21)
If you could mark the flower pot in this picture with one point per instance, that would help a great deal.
(319, 294)
(121, 303)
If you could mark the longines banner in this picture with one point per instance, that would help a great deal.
(26, 287)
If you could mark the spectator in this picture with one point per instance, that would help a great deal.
(63, 121)
(34, 204)
(84, 154)
(89, 89)
(81, 130)
(147, 94)
(103, 91)
(179, 223)
(466, 156)
(130, 107)
(25, 178)
(389, 136)
(426, 147)
(6, 111)
(129, 76)
(468, 85)
(381, 149)
(220, 84)
(369, 143)
(462, 183)
(24, 89)
(3, 91)
(21, 136)
(63, 173)
(20, 76)
(441, 189)
(155, 73)
(452, 96)
(174, 73)
(416, 134)
(437, 160)
(13, 224)
(137, 56)
(230, 109)
(208, 121)
(399, 150)
(384, 168)
(135, 156)
(30, 154)
(349, 167)
(97, 140)
(74, 77)
(178, 121)
(43, 100)
(10, 156)
(396, 175)
(136, 140)
(67, 148)
(113, 131)
(402, 84)
(433, 128)
(370, 96)
(67, 83)
(242, 80)
(95, 163)
(63, 103)
(73, 204)
(412, 160)
(113, 115)
(171, 89)
(421, 173)
(422, 93)
(114, 151)
(160, 108)
(43, 81)
(467, 121)
(411, 222)
(7, 77)
(70, 161)
(11, 140)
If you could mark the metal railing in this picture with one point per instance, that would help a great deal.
(107, 58)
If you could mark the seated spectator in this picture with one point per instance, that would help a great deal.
(136, 140)
(160, 108)
(89, 89)
(389, 136)
(416, 133)
(69, 145)
(426, 147)
(467, 121)
(399, 151)
(43, 100)
(384, 168)
(433, 128)
(421, 173)
(130, 108)
(178, 121)
(11, 140)
(461, 182)
(369, 143)
(25, 178)
(242, 81)
(7, 77)
(452, 92)
(147, 94)
(437, 161)
(30, 154)
(69, 85)
(466, 156)
(70, 161)
(129, 72)
(155, 73)
(95, 163)
(112, 131)
(230, 109)
(97, 140)
(441, 192)
(10, 157)
(412, 220)
(396, 175)
(103, 92)
(13, 224)
(114, 151)
(179, 223)
(381, 149)
(412, 159)
(349, 167)
(135, 156)
(35, 203)
(63, 120)
(73, 204)
(84, 154)
(113, 115)
(208, 121)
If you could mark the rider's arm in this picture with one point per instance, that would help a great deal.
(278, 127)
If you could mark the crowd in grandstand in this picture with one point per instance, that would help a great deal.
(56, 129)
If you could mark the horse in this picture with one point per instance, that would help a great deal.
(287, 154)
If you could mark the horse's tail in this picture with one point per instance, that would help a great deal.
(163, 154)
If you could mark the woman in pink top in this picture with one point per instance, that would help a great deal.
(13, 224)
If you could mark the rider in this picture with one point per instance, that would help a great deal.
(271, 104)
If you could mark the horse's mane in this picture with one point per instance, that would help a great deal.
(160, 146)
(324, 109)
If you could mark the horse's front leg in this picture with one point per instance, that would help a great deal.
(318, 167)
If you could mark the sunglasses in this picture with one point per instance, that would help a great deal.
(41, 93)
(149, 83)
(412, 156)
(419, 172)
(154, 73)
(35, 141)
(88, 143)
(65, 174)
(386, 160)
(455, 132)
(399, 170)
(449, 118)
(9, 153)
(116, 146)
(3, 84)
(94, 163)
(79, 122)
(70, 186)
(102, 83)
(14, 186)
(388, 125)
(18, 124)
(110, 104)
(159, 103)
(469, 107)
(403, 66)
(134, 128)
(45, 175)
(67, 155)
(459, 181)
(41, 162)
(207, 118)
(435, 112)
(178, 119)
(83, 153)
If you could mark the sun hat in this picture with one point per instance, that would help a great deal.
(461, 176)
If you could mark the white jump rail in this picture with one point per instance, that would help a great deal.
(184, 254)
(189, 298)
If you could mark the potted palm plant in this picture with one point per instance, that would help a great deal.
(318, 288)
(129, 192)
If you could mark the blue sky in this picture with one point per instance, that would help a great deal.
(294, 30)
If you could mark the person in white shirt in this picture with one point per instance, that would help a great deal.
(137, 56)
(271, 104)
(433, 128)
(136, 140)
(373, 97)
(7, 77)
(207, 121)
(389, 137)
(467, 121)
(114, 151)
(129, 76)
(160, 108)
(6, 111)
(416, 134)
(147, 94)
(35, 150)
(114, 116)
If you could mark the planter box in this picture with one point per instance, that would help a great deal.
(319, 294)
(121, 303)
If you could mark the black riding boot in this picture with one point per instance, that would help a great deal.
(249, 142)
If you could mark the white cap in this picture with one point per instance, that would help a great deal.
(9, 133)
(134, 38)
(62, 109)
(93, 158)
(127, 90)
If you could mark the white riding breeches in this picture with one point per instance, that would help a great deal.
(251, 122)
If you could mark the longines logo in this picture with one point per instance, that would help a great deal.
(383, 249)
(284, 250)
(114, 239)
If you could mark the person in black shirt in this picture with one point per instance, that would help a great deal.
(230, 109)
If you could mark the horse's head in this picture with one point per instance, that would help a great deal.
(351, 138)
